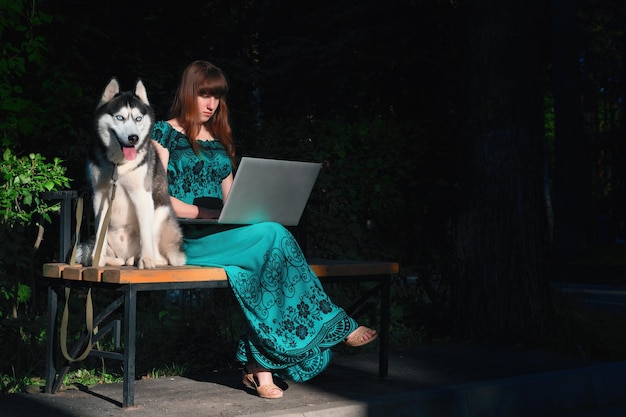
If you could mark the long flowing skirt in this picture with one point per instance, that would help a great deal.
(291, 323)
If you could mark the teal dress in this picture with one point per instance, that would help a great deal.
(291, 323)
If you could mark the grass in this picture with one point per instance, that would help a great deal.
(167, 371)
(82, 377)
(10, 384)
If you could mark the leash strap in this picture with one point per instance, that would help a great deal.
(88, 323)
(95, 262)
(105, 224)
(88, 304)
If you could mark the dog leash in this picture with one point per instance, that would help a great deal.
(107, 219)
(95, 262)
(88, 303)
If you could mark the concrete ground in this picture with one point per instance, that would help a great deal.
(456, 381)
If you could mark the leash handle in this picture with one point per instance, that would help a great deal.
(88, 324)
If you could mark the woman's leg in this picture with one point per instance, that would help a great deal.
(291, 321)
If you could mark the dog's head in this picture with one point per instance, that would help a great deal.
(123, 121)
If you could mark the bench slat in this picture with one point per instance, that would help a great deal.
(54, 270)
(93, 274)
(191, 273)
(74, 273)
(329, 268)
(132, 275)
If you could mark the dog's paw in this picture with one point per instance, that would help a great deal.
(145, 262)
(161, 261)
(112, 261)
(177, 258)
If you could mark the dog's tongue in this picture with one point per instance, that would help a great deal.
(129, 152)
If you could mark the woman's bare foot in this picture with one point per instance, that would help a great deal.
(361, 336)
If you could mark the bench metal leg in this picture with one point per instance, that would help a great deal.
(385, 324)
(50, 374)
(383, 288)
(54, 377)
(130, 325)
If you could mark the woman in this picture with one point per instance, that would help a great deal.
(291, 322)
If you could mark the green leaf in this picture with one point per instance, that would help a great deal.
(23, 293)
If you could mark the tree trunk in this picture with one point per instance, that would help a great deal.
(572, 188)
(501, 231)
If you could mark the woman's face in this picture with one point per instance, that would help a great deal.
(207, 105)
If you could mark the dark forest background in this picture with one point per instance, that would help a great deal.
(479, 143)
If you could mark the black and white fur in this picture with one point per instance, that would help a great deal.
(143, 229)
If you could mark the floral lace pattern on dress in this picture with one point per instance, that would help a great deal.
(308, 324)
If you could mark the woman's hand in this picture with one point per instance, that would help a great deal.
(205, 213)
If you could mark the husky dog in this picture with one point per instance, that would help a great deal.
(122, 160)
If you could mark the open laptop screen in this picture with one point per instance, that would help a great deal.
(267, 190)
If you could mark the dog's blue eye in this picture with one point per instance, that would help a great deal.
(138, 118)
(118, 117)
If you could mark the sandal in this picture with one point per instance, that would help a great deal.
(359, 337)
(271, 391)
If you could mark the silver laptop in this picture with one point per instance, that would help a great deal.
(267, 190)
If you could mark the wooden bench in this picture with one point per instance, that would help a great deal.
(129, 281)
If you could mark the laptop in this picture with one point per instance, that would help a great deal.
(266, 190)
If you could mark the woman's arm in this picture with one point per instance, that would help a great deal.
(182, 209)
(190, 211)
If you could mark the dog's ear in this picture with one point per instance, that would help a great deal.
(140, 91)
(110, 91)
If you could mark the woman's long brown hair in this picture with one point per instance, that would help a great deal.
(201, 78)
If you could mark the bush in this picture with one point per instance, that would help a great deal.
(23, 213)
(26, 179)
